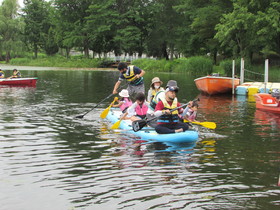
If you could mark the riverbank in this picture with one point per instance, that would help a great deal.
(22, 68)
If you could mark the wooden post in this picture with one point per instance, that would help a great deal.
(242, 71)
(233, 72)
(265, 75)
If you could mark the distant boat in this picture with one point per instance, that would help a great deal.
(266, 102)
(212, 85)
(19, 81)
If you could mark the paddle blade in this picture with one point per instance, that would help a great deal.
(116, 125)
(105, 112)
(80, 116)
(210, 125)
(138, 125)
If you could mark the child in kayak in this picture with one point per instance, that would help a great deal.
(138, 110)
(124, 102)
(190, 112)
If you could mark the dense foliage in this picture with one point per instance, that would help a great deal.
(163, 29)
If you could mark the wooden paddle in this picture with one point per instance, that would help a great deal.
(210, 125)
(106, 111)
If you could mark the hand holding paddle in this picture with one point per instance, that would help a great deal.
(139, 124)
(106, 111)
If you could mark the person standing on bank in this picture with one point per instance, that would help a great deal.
(169, 122)
(134, 76)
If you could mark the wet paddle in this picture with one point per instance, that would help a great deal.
(210, 125)
(106, 111)
(116, 125)
(139, 124)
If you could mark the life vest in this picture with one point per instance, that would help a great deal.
(127, 103)
(173, 118)
(2, 73)
(158, 97)
(155, 91)
(191, 114)
(141, 110)
(130, 76)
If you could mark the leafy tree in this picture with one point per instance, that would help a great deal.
(37, 24)
(72, 23)
(10, 29)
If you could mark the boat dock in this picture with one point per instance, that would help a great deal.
(251, 88)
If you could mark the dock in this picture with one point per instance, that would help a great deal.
(251, 88)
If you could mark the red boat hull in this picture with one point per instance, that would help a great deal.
(212, 85)
(268, 103)
(19, 81)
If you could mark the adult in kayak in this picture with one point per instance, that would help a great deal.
(169, 122)
(2, 74)
(16, 74)
(154, 89)
(134, 76)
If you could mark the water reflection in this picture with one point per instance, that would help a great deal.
(50, 160)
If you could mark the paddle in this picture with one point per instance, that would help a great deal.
(139, 124)
(210, 125)
(116, 125)
(106, 111)
(82, 115)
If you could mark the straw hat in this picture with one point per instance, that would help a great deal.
(156, 79)
(124, 93)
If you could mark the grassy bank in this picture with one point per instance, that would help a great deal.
(197, 65)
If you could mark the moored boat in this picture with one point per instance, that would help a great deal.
(150, 134)
(19, 81)
(212, 85)
(266, 102)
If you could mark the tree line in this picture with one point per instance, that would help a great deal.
(158, 28)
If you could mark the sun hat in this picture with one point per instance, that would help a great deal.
(124, 93)
(172, 86)
(156, 79)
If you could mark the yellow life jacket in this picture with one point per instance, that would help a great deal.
(173, 118)
(130, 76)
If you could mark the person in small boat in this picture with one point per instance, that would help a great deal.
(2, 74)
(169, 122)
(154, 89)
(124, 102)
(138, 110)
(190, 112)
(16, 74)
(134, 76)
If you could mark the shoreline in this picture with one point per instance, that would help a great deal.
(5, 67)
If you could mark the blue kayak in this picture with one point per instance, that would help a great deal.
(148, 133)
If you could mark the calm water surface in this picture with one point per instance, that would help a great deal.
(50, 160)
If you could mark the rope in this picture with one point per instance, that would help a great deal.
(254, 72)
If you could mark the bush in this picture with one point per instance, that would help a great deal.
(199, 65)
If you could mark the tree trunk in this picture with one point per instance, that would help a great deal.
(35, 51)
(8, 56)
(164, 51)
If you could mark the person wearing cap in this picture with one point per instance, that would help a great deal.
(124, 102)
(16, 74)
(154, 89)
(169, 122)
(2, 74)
(133, 75)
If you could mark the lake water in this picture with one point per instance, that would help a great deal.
(51, 160)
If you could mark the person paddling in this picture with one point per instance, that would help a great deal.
(134, 76)
(138, 110)
(2, 74)
(124, 102)
(155, 88)
(16, 74)
(169, 122)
